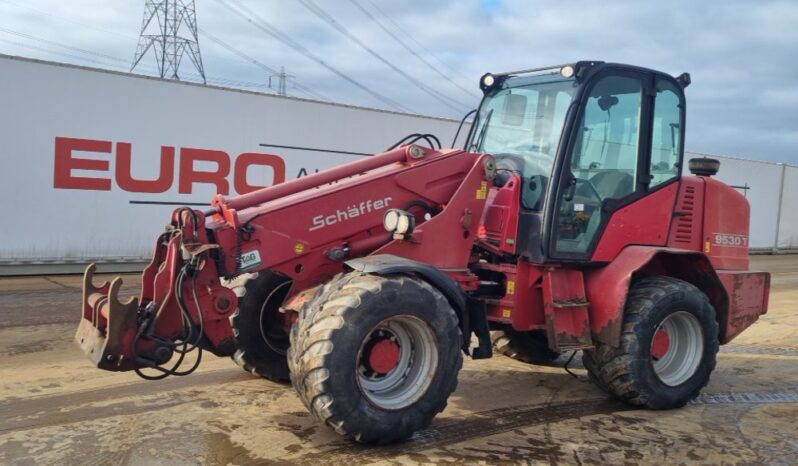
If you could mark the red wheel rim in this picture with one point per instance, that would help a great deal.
(384, 356)
(661, 344)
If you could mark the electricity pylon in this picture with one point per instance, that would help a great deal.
(176, 35)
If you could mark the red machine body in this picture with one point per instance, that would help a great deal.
(303, 230)
(680, 230)
(552, 240)
(696, 230)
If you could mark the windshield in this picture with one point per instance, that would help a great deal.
(520, 124)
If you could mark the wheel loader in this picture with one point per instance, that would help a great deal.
(565, 223)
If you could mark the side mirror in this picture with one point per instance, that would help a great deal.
(606, 102)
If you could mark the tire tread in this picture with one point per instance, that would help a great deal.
(613, 368)
(333, 302)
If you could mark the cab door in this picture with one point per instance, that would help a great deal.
(606, 165)
(623, 162)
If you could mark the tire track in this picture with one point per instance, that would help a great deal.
(92, 413)
(760, 349)
(39, 411)
(448, 431)
(481, 424)
(42, 307)
(746, 398)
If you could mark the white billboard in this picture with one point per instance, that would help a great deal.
(95, 161)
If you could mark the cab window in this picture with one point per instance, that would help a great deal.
(607, 149)
(520, 125)
(604, 161)
(667, 132)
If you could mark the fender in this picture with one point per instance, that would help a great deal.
(607, 287)
(472, 316)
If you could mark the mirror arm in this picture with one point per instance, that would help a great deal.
(570, 190)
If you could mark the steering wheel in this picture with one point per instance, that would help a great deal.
(531, 154)
(523, 163)
(592, 192)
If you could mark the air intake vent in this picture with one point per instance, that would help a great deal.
(684, 224)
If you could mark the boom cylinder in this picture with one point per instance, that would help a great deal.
(271, 193)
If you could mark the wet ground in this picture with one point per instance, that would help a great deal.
(56, 409)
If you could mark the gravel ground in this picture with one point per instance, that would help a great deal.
(56, 409)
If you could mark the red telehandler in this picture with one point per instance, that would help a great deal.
(565, 224)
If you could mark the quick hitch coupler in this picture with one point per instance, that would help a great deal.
(108, 326)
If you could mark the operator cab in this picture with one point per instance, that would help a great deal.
(584, 140)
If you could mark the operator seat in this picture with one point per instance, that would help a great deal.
(608, 184)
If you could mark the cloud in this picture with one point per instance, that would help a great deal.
(743, 100)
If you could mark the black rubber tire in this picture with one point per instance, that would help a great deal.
(253, 354)
(593, 370)
(327, 338)
(626, 372)
(529, 347)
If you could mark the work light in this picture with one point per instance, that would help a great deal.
(391, 220)
(486, 82)
(399, 222)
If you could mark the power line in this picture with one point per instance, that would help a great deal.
(49, 42)
(260, 65)
(217, 80)
(315, 9)
(214, 80)
(410, 49)
(121, 64)
(62, 54)
(266, 27)
(409, 35)
(70, 20)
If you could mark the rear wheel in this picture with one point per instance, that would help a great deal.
(529, 347)
(376, 357)
(668, 346)
(262, 341)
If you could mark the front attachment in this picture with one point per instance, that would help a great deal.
(183, 307)
(108, 327)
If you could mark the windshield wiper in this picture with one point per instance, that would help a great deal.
(478, 143)
(474, 126)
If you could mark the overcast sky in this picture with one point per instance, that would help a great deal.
(741, 54)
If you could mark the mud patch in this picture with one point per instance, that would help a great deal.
(28, 348)
(746, 398)
(454, 430)
(33, 405)
(222, 451)
(760, 349)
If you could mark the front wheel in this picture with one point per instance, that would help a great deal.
(376, 357)
(261, 338)
(668, 346)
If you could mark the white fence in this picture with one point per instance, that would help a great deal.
(93, 162)
(788, 210)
